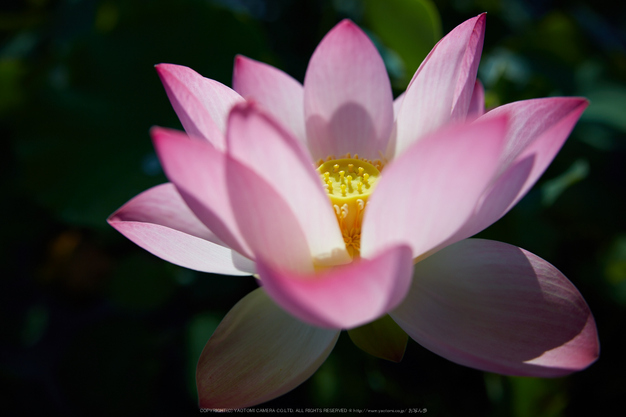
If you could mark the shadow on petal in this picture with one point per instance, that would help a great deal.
(496, 201)
(349, 130)
(257, 353)
(498, 308)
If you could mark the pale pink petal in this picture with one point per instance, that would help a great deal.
(499, 308)
(397, 105)
(159, 221)
(345, 296)
(538, 127)
(276, 91)
(441, 89)
(257, 353)
(477, 103)
(347, 96)
(272, 230)
(202, 104)
(429, 192)
(199, 172)
(537, 130)
(257, 141)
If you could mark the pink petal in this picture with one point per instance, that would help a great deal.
(397, 105)
(276, 156)
(257, 353)
(347, 96)
(272, 230)
(159, 221)
(441, 89)
(202, 104)
(430, 191)
(345, 296)
(499, 308)
(538, 127)
(279, 93)
(199, 172)
(537, 130)
(477, 103)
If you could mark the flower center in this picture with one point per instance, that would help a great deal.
(349, 182)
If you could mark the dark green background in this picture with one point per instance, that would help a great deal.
(90, 324)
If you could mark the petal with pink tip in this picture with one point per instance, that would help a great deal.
(441, 89)
(202, 104)
(276, 91)
(272, 230)
(538, 126)
(259, 142)
(429, 192)
(257, 353)
(537, 130)
(347, 96)
(159, 221)
(199, 172)
(346, 296)
(498, 308)
(477, 103)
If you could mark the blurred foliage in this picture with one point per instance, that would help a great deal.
(553, 188)
(382, 338)
(410, 28)
(93, 325)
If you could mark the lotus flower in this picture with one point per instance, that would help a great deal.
(353, 210)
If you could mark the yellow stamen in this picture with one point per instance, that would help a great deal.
(349, 201)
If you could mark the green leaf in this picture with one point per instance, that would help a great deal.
(552, 189)
(608, 105)
(35, 325)
(537, 397)
(140, 283)
(409, 27)
(382, 338)
(11, 74)
(199, 331)
(90, 150)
